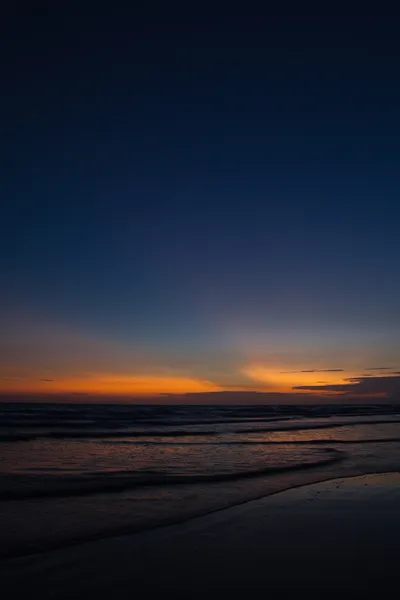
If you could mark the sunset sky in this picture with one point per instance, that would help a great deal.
(199, 211)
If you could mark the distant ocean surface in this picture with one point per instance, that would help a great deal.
(70, 473)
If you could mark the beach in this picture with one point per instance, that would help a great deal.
(339, 535)
(73, 474)
(120, 501)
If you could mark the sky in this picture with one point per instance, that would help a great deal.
(199, 207)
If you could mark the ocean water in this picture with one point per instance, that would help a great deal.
(70, 473)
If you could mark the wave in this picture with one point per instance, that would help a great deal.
(64, 435)
(123, 423)
(301, 426)
(104, 434)
(110, 482)
(319, 442)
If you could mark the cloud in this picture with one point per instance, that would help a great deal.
(378, 368)
(316, 371)
(387, 386)
(43, 379)
(357, 394)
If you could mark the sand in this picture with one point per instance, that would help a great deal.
(338, 536)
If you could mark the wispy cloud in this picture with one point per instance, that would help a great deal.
(378, 368)
(315, 371)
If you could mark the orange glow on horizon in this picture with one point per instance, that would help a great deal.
(286, 380)
(253, 377)
(110, 384)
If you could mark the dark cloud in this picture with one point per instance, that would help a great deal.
(378, 368)
(46, 379)
(357, 393)
(389, 386)
(316, 371)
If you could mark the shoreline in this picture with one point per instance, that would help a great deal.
(312, 479)
(326, 533)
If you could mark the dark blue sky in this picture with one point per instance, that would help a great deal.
(203, 189)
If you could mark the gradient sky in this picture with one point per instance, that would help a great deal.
(200, 203)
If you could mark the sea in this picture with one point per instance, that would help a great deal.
(73, 472)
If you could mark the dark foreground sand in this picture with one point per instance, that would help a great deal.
(338, 536)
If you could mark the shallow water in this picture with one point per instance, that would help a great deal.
(73, 472)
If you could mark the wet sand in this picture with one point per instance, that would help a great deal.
(338, 536)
